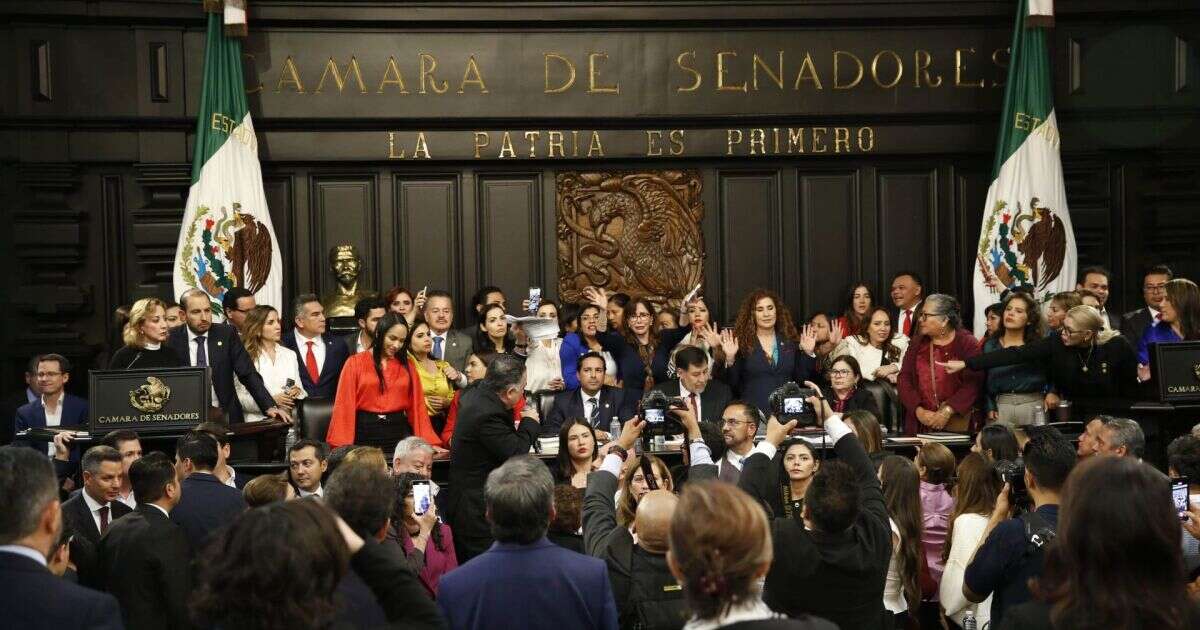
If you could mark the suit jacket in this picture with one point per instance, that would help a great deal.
(898, 319)
(484, 439)
(335, 357)
(33, 598)
(351, 341)
(8, 414)
(614, 401)
(457, 348)
(145, 562)
(206, 506)
(33, 416)
(713, 400)
(558, 589)
(76, 513)
(226, 357)
(1135, 323)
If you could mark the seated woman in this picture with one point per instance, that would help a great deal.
(935, 465)
(634, 485)
(935, 397)
(543, 368)
(278, 366)
(828, 336)
(995, 443)
(641, 341)
(974, 499)
(436, 376)
(764, 350)
(402, 302)
(901, 495)
(844, 394)
(379, 398)
(1084, 360)
(1179, 320)
(1058, 308)
(865, 425)
(590, 336)
(145, 335)
(491, 334)
(699, 331)
(1014, 391)
(859, 302)
(879, 351)
(427, 542)
(577, 455)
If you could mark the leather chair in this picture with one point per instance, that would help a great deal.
(887, 399)
(313, 416)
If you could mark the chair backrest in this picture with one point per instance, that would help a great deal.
(313, 416)
(887, 400)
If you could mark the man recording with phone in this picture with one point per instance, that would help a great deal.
(1013, 548)
(831, 558)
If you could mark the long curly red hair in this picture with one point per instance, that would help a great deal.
(745, 329)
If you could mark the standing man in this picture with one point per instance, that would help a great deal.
(367, 312)
(321, 359)
(10, 405)
(483, 440)
(739, 425)
(218, 347)
(54, 407)
(592, 400)
(907, 292)
(1098, 280)
(206, 504)
(236, 303)
(145, 560)
(1154, 291)
(126, 442)
(90, 513)
(307, 461)
(694, 383)
(33, 597)
(451, 346)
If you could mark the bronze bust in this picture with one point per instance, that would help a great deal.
(346, 265)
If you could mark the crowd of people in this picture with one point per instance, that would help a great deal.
(760, 526)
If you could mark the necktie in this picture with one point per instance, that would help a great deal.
(593, 411)
(201, 352)
(695, 405)
(437, 348)
(1157, 317)
(310, 363)
(103, 519)
(907, 323)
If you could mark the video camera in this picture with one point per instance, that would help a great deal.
(1012, 472)
(790, 402)
(655, 410)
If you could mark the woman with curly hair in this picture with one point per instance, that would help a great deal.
(765, 350)
(428, 544)
(1014, 391)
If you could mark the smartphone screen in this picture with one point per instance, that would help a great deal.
(654, 416)
(421, 497)
(535, 299)
(1179, 494)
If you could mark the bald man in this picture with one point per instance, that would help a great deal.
(639, 549)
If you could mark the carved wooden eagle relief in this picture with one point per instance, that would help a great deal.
(250, 254)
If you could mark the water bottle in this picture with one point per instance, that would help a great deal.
(614, 429)
(969, 621)
(291, 439)
(1039, 416)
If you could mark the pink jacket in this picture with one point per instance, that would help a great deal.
(936, 506)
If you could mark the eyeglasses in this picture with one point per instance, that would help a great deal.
(733, 422)
(1155, 287)
(48, 374)
(924, 315)
(640, 316)
(841, 372)
(1072, 333)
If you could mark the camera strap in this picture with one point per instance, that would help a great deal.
(648, 472)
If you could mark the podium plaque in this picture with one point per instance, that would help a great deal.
(152, 400)
(1175, 370)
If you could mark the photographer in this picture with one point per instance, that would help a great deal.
(636, 557)
(831, 560)
(1013, 548)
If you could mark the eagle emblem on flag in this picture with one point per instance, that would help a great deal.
(1026, 248)
(228, 248)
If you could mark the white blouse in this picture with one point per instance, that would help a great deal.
(868, 356)
(968, 535)
(274, 375)
(893, 587)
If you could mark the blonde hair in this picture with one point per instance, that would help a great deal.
(138, 314)
(368, 455)
(627, 506)
(253, 327)
(1090, 319)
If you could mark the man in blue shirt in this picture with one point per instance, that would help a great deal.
(1012, 549)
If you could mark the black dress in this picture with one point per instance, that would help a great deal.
(135, 358)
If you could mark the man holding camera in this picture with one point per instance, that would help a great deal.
(831, 559)
(1013, 548)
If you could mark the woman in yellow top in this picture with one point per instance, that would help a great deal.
(436, 376)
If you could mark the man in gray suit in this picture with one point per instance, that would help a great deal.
(449, 345)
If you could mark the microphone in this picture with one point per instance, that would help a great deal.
(135, 360)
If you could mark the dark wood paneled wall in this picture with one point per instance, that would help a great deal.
(96, 106)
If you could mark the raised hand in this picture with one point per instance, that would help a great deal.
(729, 344)
(808, 339)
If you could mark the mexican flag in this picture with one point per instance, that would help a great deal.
(227, 239)
(1026, 240)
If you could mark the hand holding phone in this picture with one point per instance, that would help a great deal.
(422, 497)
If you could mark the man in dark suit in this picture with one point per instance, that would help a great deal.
(452, 346)
(364, 495)
(218, 347)
(55, 407)
(18, 399)
(236, 304)
(483, 440)
(695, 384)
(1154, 290)
(367, 312)
(91, 512)
(592, 400)
(321, 358)
(832, 559)
(558, 588)
(207, 504)
(908, 290)
(1098, 280)
(224, 473)
(33, 598)
(145, 558)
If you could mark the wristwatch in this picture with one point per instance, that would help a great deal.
(619, 451)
